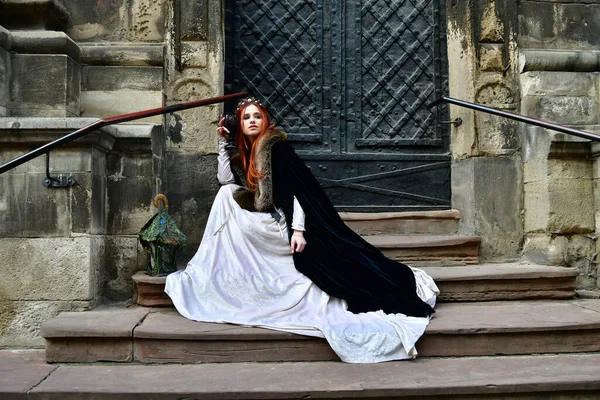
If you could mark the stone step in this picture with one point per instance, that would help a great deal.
(509, 281)
(423, 250)
(414, 222)
(565, 376)
(457, 330)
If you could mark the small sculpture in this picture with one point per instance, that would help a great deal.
(162, 240)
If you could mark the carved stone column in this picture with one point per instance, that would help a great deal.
(486, 169)
(194, 70)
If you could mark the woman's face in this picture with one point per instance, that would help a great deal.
(252, 121)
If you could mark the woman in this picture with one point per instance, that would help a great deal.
(276, 254)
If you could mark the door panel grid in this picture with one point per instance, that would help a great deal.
(349, 82)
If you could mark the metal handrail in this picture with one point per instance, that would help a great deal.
(517, 117)
(114, 120)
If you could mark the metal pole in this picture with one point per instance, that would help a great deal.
(517, 117)
(114, 120)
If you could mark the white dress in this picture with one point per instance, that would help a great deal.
(243, 273)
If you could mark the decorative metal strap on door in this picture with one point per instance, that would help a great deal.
(350, 82)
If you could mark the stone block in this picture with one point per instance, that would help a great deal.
(105, 322)
(104, 21)
(570, 168)
(536, 206)
(21, 321)
(559, 205)
(45, 85)
(194, 54)
(124, 257)
(147, 23)
(29, 209)
(190, 186)
(136, 21)
(566, 250)
(540, 144)
(193, 130)
(104, 335)
(488, 192)
(571, 206)
(496, 135)
(34, 210)
(536, 23)
(558, 60)
(566, 110)
(491, 26)
(52, 269)
(550, 83)
(491, 57)
(557, 25)
(126, 165)
(114, 78)
(127, 55)
(109, 103)
(129, 204)
(535, 170)
(22, 370)
(88, 199)
(5, 78)
(45, 42)
(577, 24)
(194, 20)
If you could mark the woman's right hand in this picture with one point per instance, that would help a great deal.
(222, 132)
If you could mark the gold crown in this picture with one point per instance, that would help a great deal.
(247, 101)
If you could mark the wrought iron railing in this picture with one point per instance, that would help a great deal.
(45, 149)
(517, 117)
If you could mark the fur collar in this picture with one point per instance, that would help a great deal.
(262, 199)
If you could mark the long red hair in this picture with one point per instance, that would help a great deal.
(246, 148)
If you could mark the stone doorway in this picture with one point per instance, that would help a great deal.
(350, 82)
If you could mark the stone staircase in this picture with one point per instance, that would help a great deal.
(500, 330)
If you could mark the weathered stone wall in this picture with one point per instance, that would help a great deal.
(67, 249)
(117, 21)
(559, 77)
(194, 70)
(51, 240)
(122, 45)
(486, 168)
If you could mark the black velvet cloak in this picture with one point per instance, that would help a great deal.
(336, 259)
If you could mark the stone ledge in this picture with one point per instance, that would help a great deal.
(494, 378)
(488, 282)
(425, 250)
(410, 241)
(5, 38)
(45, 42)
(97, 324)
(423, 222)
(515, 270)
(357, 216)
(559, 60)
(34, 131)
(456, 330)
(122, 54)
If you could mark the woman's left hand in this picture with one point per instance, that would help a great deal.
(297, 243)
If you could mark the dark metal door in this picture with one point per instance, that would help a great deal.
(349, 82)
